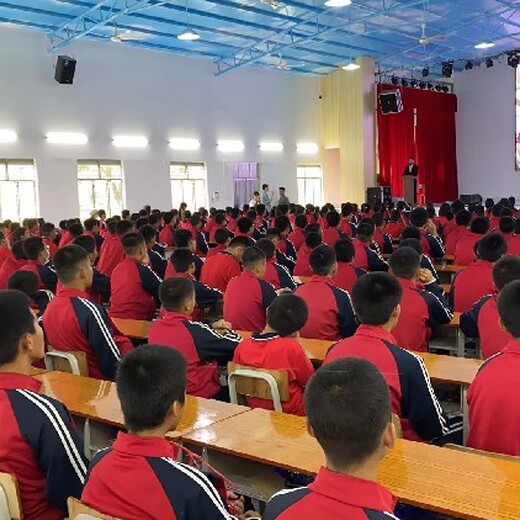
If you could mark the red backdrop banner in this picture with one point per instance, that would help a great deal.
(425, 129)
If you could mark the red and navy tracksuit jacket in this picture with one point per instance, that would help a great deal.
(135, 291)
(347, 276)
(246, 300)
(278, 275)
(331, 315)
(73, 323)
(494, 417)
(47, 278)
(421, 311)
(100, 289)
(285, 260)
(482, 322)
(40, 447)
(203, 348)
(166, 235)
(432, 246)
(333, 495)
(471, 284)
(411, 392)
(297, 237)
(347, 227)
(302, 266)
(9, 267)
(111, 254)
(426, 263)
(157, 262)
(170, 270)
(139, 478)
(219, 248)
(219, 269)
(331, 235)
(366, 258)
(464, 250)
(271, 351)
(383, 241)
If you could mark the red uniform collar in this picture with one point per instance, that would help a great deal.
(264, 336)
(513, 347)
(321, 279)
(482, 263)
(15, 381)
(143, 446)
(69, 292)
(410, 284)
(375, 331)
(174, 316)
(353, 491)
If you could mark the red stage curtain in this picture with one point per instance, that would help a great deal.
(433, 145)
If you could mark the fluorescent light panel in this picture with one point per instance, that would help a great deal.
(484, 45)
(130, 141)
(73, 138)
(270, 146)
(230, 146)
(307, 148)
(180, 143)
(8, 136)
(337, 3)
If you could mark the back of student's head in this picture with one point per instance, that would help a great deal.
(24, 281)
(313, 239)
(68, 261)
(17, 250)
(395, 216)
(479, 225)
(90, 224)
(404, 263)
(414, 243)
(419, 217)
(175, 292)
(463, 218)
(220, 218)
(411, 232)
(374, 297)
(287, 314)
(149, 380)
(322, 260)
(222, 235)
(87, 242)
(182, 259)
(456, 206)
(244, 224)
(148, 233)
(16, 320)
(300, 221)
(252, 258)
(75, 229)
(282, 223)
(509, 307)
(47, 228)
(496, 209)
(333, 219)
(365, 230)
(491, 247)
(344, 250)
(238, 243)
(182, 238)
(124, 227)
(195, 219)
(33, 247)
(267, 247)
(347, 403)
(379, 219)
(506, 224)
(506, 270)
(133, 243)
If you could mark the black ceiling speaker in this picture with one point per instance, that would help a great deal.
(65, 68)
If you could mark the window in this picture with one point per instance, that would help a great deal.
(100, 186)
(188, 184)
(18, 190)
(310, 185)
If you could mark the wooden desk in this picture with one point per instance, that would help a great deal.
(448, 482)
(137, 329)
(97, 400)
(37, 371)
(445, 268)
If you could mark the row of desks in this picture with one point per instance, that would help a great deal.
(460, 484)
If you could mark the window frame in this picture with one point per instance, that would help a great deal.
(204, 179)
(17, 182)
(309, 178)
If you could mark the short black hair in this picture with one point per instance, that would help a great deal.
(506, 224)
(244, 224)
(347, 403)
(300, 221)
(182, 237)
(182, 258)
(463, 218)
(195, 219)
(506, 270)
(75, 229)
(411, 232)
(273, 233)
(404, 262)
(17, 250)
(264, 186)
(16, 320)
(496, 209)
(87, 242)
(148, 232)
(132, 242)
(322, 259)
(252, 256)
(333, 218)
(287, 314)
(90, 224)
(33, 247)
(344, 250)
(479, 225)
(123, 227)
(222, 235)
(419, 217)
(374, 297)
(174, 292)
(67, 261)
(167, 216)
(239, 242)
(313, 239)
(365, 229)
(267, 247)
(414, 243)
(47, 227)
(149, 380)
(491, 247)
(509, 307)
(25, 281)
(282, 223)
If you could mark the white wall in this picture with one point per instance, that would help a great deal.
(486, 132)
(121, 90)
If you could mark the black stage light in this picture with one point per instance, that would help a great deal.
(425, 72)
(489, 63)
(394, 80)
(469, 65)
(447, 69)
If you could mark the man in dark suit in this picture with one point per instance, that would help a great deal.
(412, 169)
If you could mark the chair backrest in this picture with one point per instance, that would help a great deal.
(80, 511)
(256, 382)
(71, 362)
(397, 425)
(10, 504)
(491, 454)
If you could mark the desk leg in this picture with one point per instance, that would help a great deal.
(460, 342)
(465, 418)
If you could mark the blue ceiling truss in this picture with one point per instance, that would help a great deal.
(302, 36)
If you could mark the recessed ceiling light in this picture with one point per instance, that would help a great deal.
(351, 66)
(188, 35)
(337, 3)
(484, 45)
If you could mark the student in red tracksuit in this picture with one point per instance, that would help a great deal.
(347, 226)
(303, 266)
(297, 237)
(421, 309)
(28, 283)
(245, 229)
(494, 415)
(476, 280)
(166, 234)
(396, 225)
(194, 225)
(219, 269)
(158, 262)
(73, 323)
(336, 402)
(49, 238)
(331, 233)
(430, 239)
(331, 316)
(182, 238)
(347, 274)
(142, 464)
(135, 287)
(37, 256)
(513, 244)
(381, 237)
(39, 444)
(276, 274)
(376, 298)
(365, 257)
(91, 226)
(465, 248)
(281, 245)
(5, 251)
(12, 264)
(248, 296)
(277, 348)
(463, 220)
(219, 223)
(482, 321)
(112, 252)
(222, 238)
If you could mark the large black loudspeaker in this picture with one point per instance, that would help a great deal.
(65, 68)
(471, 199)
(379, 194)
(391, 102)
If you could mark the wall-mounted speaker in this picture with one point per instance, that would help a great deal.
(391, 102)
(65, 68)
